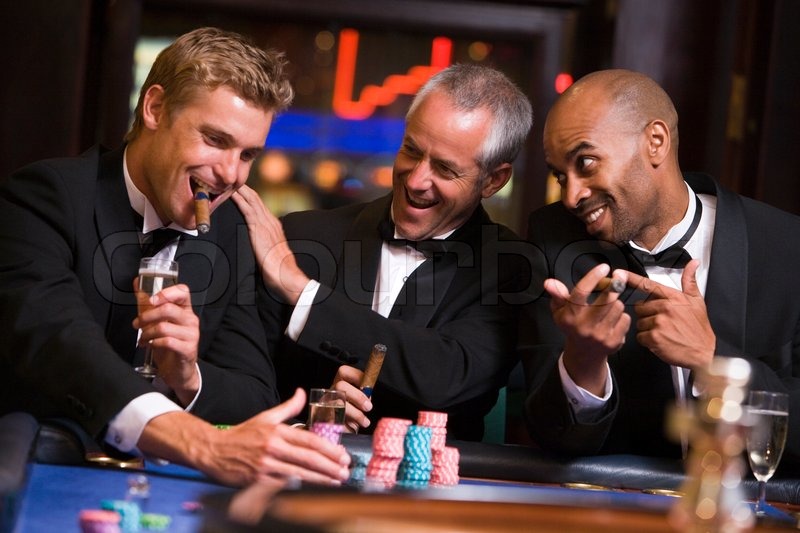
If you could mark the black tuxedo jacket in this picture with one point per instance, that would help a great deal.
(450, 335)
(68, 254)
(753, 301)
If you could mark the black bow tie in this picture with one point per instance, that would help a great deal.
(154, 241)
(674, 256)
(427, 247)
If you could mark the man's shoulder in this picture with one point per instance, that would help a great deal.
(755, 211)
(307, 223)
(79, 163)
(553, 222)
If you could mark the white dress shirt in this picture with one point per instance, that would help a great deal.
(396, 264)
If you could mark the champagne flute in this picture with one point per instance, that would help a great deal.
(154, 275)
(769, 412)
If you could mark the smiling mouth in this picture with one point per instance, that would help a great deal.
(593, 215)
(197, 184)
(420, 204)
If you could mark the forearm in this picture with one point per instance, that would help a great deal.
(178, 437)
(439, 365)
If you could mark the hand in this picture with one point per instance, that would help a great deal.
(276, 260)
(261, 447)
(347, 380)
(593, 330)
(169, 325)
(674, 324)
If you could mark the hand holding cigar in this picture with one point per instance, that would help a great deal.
(616, 285)
(202, 213)
(373, 369)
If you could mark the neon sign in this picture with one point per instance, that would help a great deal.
(373, 96)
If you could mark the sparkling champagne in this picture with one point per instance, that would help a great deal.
(327, 412)
(155, 275)
(765, 441)
(152, 281)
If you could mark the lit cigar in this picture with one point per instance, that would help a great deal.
(373, 369)
(617, 285)
(201, 209)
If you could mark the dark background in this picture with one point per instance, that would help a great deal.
(731, 66)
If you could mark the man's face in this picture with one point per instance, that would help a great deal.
(213, 140)
(436, 180)
(600, 165)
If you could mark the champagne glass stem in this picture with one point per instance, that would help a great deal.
(762, 497)
(148, 370)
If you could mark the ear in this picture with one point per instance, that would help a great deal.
(496, 180)
(658, 142)
(153, 107)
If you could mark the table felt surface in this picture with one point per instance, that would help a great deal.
(55, 495)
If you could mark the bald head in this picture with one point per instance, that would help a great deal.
(611, 142)
(632, 97)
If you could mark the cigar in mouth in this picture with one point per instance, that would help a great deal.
(616, 285)
(373, 369)
(202, 213)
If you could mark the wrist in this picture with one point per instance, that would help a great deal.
(587, 371)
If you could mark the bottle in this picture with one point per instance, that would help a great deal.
(714, 500)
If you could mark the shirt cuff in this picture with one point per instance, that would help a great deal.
(164, 389)
(125, 429)
(302, 309)
(585, 405)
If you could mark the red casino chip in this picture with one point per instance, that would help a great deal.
(99, 521)
(432, 419)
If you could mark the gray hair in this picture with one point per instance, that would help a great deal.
(472, 87)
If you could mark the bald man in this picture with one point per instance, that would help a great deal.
(707, 272)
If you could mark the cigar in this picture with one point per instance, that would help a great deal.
(373, 369)
(201, 209)
(617, 285)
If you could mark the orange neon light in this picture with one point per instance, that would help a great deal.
(373, 96)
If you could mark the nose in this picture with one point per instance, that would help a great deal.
(419, 178)
(573, 191)
(232, 169)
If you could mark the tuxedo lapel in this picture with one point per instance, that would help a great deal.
(726, 289)
(424, 290)
(361, 253)
(116, 260)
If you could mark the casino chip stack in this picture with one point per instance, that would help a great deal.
(415, 468)
(129, 511)
(387, 451)
(358, 467)
(97, 521)
(445, 460)
(438, 423)
(328, 431)
(445, 466)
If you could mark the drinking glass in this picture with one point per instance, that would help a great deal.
(154, 275)
(769, 412)
(326, 412)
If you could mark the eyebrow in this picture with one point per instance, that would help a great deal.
(438, 160)
(211, 130)
(578, 149)
(229, 139)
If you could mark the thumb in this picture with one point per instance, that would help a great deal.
(287, 409)
(689, 278)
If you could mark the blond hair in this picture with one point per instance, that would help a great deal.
(208, 58)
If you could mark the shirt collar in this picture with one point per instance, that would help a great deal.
(678, 230)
